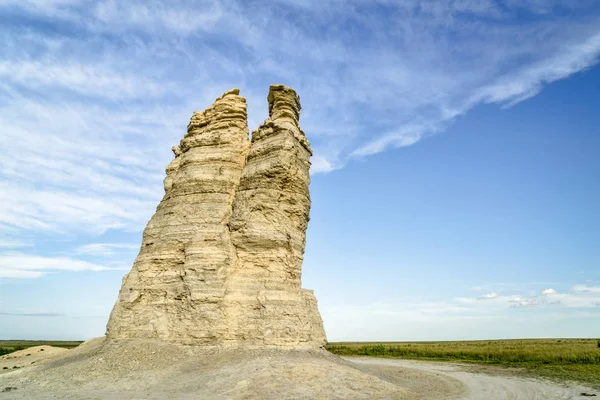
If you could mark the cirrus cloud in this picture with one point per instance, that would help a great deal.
(19, 265)
(94, 94)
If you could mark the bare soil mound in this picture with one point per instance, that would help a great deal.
(25, 358)
(144, 369)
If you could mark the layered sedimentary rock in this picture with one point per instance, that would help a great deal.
(268, 227)
(221, 258)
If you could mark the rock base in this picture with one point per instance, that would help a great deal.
(145, 369)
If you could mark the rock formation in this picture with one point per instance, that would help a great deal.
(221, 259)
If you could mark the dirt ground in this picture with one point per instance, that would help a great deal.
(28, 357)
(155, 370)
(479, 382)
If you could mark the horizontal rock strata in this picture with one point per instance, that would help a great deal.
(221, 258)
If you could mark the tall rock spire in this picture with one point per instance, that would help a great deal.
(176, 282)
(221, 258)
(272, 204)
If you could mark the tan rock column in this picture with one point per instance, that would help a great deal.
(221, 258)
(265, 303)
(175, 288)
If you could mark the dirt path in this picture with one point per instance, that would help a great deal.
(476, 386)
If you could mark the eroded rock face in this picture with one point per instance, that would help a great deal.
(221, 258)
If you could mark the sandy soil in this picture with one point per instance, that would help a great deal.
(155, 370)
(28, 357)
(482, 385)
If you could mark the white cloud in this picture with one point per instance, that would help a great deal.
(48, 7)
(512, 287)
(80, 78)
(105, 249)
(321, 164)
(13, 244)
(18, 265)
(462, 318)
(63, 212)
(580, 296)
(586, 289)
(150, 14)
(90, 112)
(492, 315)
(32, 314)
(528, 81)
(522, 302)
(407, 136)
(19, 273)
(509, 89)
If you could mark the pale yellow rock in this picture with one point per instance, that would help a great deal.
(221, 258)
(176, 283)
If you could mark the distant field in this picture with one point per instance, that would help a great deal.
(8, 346)
(562, 359)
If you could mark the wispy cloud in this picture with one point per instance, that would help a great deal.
(510, 88)
(170, 16)
(586, 289)
(32, 314)
(505, 287)
(579, 296)
(94, 95)
(484, 316)
(18, 265)
(105, 249)
(491, 303)
(13, 244)
(79, 78)
(488, 296)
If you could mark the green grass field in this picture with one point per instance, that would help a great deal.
(8, 346)
(558, 359)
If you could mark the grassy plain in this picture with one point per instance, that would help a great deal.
(558, 359)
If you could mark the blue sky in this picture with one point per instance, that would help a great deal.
(455, 175)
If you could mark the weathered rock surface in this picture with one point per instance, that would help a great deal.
(221, 259)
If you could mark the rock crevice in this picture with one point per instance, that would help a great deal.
(221, 258)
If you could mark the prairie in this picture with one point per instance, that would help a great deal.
(403, 370)
(557, 359)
